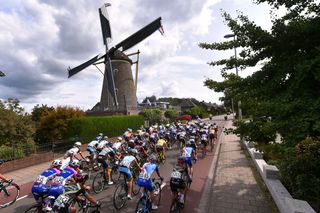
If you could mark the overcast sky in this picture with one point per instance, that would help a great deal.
(39, 39)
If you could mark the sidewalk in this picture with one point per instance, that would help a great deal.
(233, 187)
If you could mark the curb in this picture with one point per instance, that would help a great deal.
(207, 192)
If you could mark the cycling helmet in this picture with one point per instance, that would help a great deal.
(130, 130)
(75, 163)
(119, 138)
(77, 144)
(1, 162)
(56, 162)
(152, 158)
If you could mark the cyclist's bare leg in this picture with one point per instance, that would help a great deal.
(130, 186)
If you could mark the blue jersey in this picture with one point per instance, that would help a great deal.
(187, 152)
(47, 175)
(65, 175)
(147, 170)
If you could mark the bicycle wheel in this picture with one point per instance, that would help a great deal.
(135, 188)
(157, 193)
(9, 194)
(174, 206)
(35, 208)
(98, 183)
(141, 206)
(120, 196)
(115, 174)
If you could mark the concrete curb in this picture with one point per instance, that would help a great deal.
(280, 195)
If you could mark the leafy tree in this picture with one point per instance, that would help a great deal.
(196, 111)
(54, 123)
(16, 130)
(171, 114)
(152, 115)
(286, 86)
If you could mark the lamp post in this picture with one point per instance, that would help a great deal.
(235, 56)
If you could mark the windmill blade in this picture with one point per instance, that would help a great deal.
(139, 35)
(105, 23)
(77, 69)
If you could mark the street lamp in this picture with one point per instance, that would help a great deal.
(235, 56)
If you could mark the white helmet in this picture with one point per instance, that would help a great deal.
(77, 144)
(56, 162)
(74, 163)
(119, 138)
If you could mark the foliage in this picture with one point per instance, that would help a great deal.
(171, 114)
(86, 128)
(300, 173)
(16, 128)
(152, 115)
(196, 111)
(287, 84)
(54, 123)
(11, 153)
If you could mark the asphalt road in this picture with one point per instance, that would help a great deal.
(201, 170)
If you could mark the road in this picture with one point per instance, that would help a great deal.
(201, 170)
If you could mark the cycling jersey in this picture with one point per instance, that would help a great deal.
(39, 187)
(73, 151)
(161, 142)
(144, 179)
(58, 183)
(127, 160)
(93, 143)
(102, 144)
(177, 178)
(116, 145)
(47, 175)
(63, 201)
(106, 151)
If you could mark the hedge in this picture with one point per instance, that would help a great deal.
(86, 128)
(10, 153)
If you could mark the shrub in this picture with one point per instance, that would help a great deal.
(11, 153)
(152, 115)
(86, 128)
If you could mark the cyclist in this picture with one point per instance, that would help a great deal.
(40, 188)
(188, 153)
(72, 153)
(67, 174)
(73, 189)
(2, 177)
(91, 148)
(204, 141)
(212, 132)
(144, 179)
(177, 182)
(125, 168)
(103, 158)
(102, 144)
(193, 144)
(161, 146)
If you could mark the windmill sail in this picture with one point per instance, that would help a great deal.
(139, 35)
(105, 23)
(84, 65)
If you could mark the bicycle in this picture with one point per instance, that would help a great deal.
(121, 192)
(176, 205)
(9, 193)
(144, 204)
(100, 180)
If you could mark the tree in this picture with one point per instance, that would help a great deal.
(152, 115)
(16, 130)
(54, 123)
(286, 86)
(171, 114)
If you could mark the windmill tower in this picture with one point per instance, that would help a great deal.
(118, 89)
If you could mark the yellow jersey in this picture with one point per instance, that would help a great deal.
(161, 142)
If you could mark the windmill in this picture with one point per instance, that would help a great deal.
(115, 83)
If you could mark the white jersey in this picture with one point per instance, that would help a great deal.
(105, 151)
(93, 143)
(102, 144)
(127, 160)
(116, 145)
(73, 151)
